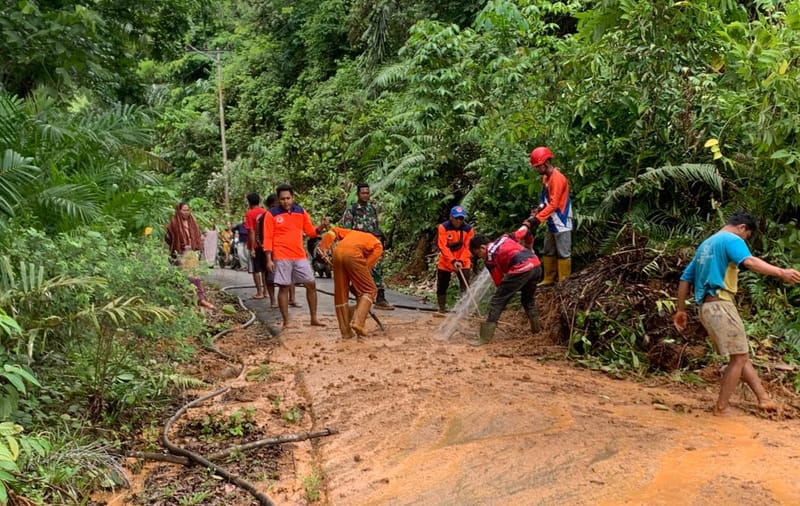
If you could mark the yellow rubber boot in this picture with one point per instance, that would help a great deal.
(564, 268)
(359, 323)
(549, 265)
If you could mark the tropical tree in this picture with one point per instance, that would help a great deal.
(69, 168)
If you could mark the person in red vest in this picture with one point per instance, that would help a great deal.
(514, 268)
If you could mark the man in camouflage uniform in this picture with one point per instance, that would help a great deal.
(363, 216)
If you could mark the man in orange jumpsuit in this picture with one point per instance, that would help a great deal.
(555, 207)
(453, 238)
(353, 260)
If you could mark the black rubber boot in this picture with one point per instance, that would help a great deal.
(441, 300)
(381, 302)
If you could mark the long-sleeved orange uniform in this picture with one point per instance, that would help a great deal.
(557, 208)
(353, 259)
(454, 246)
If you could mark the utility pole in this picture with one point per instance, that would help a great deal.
(216, 56)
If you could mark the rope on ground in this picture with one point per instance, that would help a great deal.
(262, 498)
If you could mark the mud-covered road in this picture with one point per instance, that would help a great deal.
(426, 421)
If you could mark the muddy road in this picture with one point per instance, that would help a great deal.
(430, 421)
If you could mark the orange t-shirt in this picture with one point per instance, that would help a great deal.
(283, 232)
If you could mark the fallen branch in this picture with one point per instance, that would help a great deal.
(262, 498)
(253, 445)
(288, 438)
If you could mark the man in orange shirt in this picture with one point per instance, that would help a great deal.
(453, 238)
(555, 207)
(284, 226)
(354, 257)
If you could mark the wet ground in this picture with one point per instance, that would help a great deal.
(427, 421)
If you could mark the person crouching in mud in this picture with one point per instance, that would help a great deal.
(354, 257)
(514, 268)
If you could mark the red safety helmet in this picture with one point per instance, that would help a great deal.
(540, 155)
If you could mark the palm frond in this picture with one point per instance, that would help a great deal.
(683, 175)
(70, 202)
(184, 381)
(28, 279)
(11, 117)
(389, 75)
(121, 310)
(16, 173)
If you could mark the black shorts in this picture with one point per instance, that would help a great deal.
(258, 263)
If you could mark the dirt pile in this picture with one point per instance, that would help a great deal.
(622, 305)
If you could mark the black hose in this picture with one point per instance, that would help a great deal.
(401, 306)
(262, 498)
(272, 330)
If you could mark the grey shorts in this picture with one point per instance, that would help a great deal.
(724, 325)
(288, 272)
(557, 245)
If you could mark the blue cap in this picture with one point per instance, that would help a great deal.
(458, 212)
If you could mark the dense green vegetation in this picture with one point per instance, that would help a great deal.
(665, 115)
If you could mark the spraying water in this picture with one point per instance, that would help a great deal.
(468, 304)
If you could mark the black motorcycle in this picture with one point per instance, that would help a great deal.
(321, 268)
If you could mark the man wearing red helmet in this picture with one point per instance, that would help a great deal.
(555, 207)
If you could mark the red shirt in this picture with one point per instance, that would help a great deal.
(507, 256)
(250, 218)
(283, 232)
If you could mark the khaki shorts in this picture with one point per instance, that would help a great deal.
(724, 325)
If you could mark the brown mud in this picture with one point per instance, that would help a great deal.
(424, 421)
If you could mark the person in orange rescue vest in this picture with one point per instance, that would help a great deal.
(453, 238)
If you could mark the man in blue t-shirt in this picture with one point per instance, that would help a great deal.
(713, 272)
